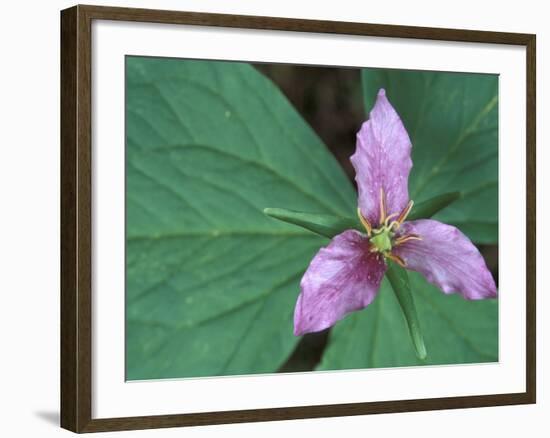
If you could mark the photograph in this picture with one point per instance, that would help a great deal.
(253, 219)
(284, 218)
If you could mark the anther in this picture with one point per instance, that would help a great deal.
(382, 206)
(396, 259)
(365, 222)
(404, 213)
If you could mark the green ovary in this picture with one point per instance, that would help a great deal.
(382, 240)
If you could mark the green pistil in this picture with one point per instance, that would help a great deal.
(382, 239)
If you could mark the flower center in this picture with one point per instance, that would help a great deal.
(382, 239)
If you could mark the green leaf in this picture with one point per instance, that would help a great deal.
(452, 119)
(399, 281)
(455, 331)
(432, 206)
(323, 224)
(211, 281)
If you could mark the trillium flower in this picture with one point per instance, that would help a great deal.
(345, 276)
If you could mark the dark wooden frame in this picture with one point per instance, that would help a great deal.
(76, 219)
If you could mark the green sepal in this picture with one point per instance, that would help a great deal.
(428, 208)
(399, 281)
(323, 224)
(328, 225)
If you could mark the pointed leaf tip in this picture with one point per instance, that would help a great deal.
(323, 224)
(399, 281)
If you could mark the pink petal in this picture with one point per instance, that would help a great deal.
(382, 159)
(447, 258)
(341, 278)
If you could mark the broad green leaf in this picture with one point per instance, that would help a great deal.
(455, 331)
(211, 281)
(452, 119)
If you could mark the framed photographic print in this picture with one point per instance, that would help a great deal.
(268, 218)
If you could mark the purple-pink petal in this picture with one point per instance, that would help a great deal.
(447, 258)
(342, 277)
(382, 159)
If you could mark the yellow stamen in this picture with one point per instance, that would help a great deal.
(394, 224)
(396, 259)
(391, 216)
(404, 213)
(382, 206)
(365, 222)
(402, 239)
